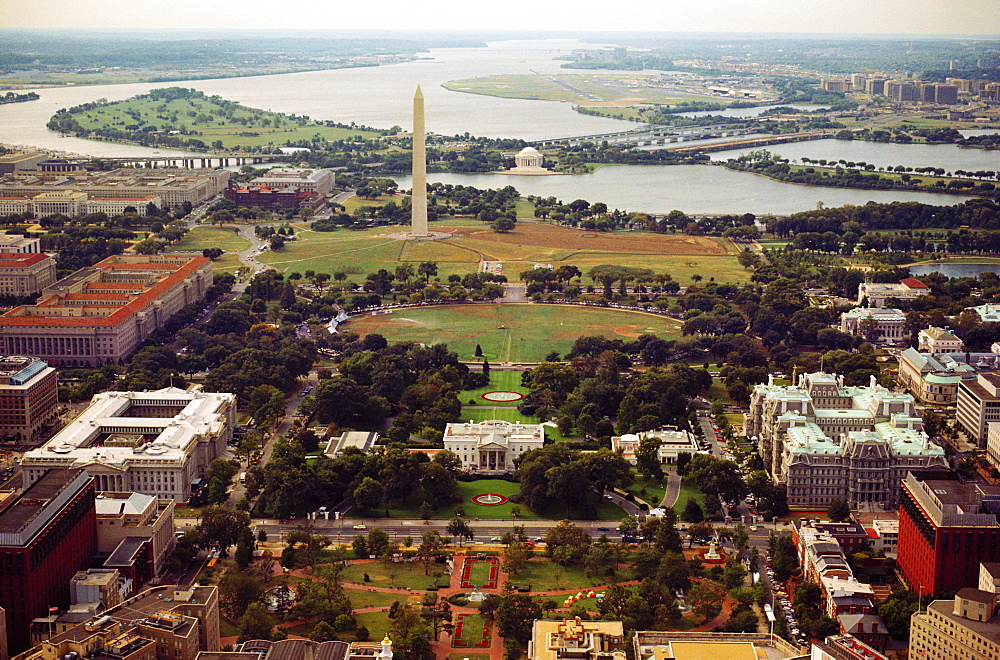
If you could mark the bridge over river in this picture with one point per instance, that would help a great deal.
(649, 136)
(193, 161)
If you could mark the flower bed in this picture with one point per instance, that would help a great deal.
(494, 575)
(459, 641)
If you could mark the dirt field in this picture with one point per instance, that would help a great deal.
(551, 236)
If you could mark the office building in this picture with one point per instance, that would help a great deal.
(101, 314)
(265, 197)
(580, 640)
(172, 186)
(977, 404)
(28, 398)
(844, 647)
(24, 274)
(492, 446)
(965, 627)
(672, 441)
(166, 622)
(363, 441)
(876, 86)
(878, 294)
(934, 379)
(883, 533)
(306, 180)
(824, 563)
(19, 244)
(157, 443)
(21, 160)
(132, 525)
(875, 324)
(988, 313)
(946, 529)
(47, 534)
(939, 340)
(677, 645)
(828, 441)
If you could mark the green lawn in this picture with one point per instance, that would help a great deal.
(389, 575)
(511, 333)
(549, 576)
(200, 238)
(466, 491)
(473, 627)
(227, 628)
(480, 573)
(654, 490)
(227, 263)
(506, 413)
(686, 493)
(360, 598)
(508, 381)
(377, 623)
(604, 509)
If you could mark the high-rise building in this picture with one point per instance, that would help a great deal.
(946, 529)
(47, 534)
(976, 405)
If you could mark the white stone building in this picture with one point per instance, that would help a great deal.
(876, 294)
(827, 441)
(939, 340)
(890, 322)
(492, 446)
(672, 442)
(312, 180)
(157, 443)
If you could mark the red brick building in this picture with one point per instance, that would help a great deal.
(266, 197)
(47, 534)
(946, 529)
(28, 397)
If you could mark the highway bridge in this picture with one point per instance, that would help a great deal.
(649, 136)
(751, 143)
(192, 162)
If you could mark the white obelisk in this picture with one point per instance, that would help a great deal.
(418, 198)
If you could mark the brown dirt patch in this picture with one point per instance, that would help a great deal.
(633, 331)
(543, 235)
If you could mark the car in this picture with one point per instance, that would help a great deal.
(604, 529)
(496, 539)
(360, 526)
(753, 528)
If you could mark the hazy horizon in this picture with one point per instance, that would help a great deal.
(861, 18)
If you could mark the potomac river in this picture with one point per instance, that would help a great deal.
(382, 96)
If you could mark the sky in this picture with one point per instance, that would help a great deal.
(923, 17)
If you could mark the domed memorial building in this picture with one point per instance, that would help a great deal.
(529, 162)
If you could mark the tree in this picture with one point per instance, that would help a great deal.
(647, 458)
(431, 544)
(706, 599)
(515, 616)
(255, 623)
(221, 527)
(567, 541)
(749, 259)
(427, 269)
(896, 611)
(515, 557)
(238, 590)
(369, 493)
(460, 529)
(220, 478)
(503, 224)
(692, 511)
(839, 511)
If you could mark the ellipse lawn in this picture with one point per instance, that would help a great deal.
(510, 332)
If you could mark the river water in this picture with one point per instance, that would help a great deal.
(382, 97)
(954, 270)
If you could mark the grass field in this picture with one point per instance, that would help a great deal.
(360, 598)
(472, 630)
(200, 238)
(236, 127)
(358, 253)
(511, 333)
(507, 414)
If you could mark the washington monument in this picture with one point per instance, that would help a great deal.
(418, 198)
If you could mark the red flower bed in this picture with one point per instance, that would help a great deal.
(494, 573)
(457, 641)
